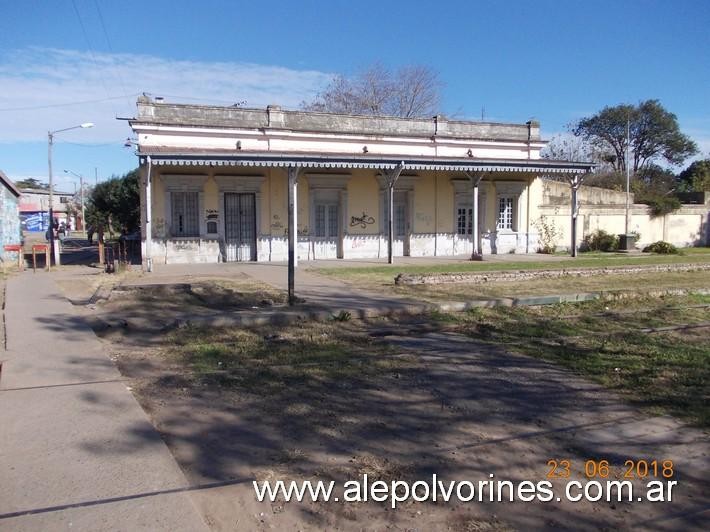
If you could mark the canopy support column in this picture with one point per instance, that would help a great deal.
(293, 173)
(475, 179)
(148, 218)
(392, 176)
(575, 181)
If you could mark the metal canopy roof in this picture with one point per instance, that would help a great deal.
(379, 163)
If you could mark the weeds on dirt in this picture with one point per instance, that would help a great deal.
(268, 360)
(666, 371)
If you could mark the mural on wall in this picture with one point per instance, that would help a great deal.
(363, 221)
(35, 221)
(9, 222)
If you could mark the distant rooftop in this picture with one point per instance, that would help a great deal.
(156, 112)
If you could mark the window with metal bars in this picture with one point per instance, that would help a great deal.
(327, 220)
(399, 220)
(185, 213)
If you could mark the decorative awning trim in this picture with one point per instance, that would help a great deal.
(539, 166)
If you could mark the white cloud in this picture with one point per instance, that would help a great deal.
(46, 89)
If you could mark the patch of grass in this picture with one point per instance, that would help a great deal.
(562, 285)
(586, 260)
(268, 361)
(666, 372)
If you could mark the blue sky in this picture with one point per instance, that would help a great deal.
(64, 62)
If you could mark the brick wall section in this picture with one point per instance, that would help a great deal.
(526, 275)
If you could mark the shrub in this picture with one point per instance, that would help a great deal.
(600, 240)
(665, 248)
(662, 205)
(549, 233)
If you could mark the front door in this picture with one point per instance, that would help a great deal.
(400, 219)
(240, 226)
(464, 227)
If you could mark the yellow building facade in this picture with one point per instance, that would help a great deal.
(216, 184)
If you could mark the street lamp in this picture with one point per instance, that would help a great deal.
(50, 143)
(81, 190)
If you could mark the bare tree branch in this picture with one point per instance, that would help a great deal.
(412, 91)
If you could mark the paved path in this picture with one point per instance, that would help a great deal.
(318, 291)
(76, 449)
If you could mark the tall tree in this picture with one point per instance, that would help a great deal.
(653, 131)
(115, 204)
(695, 178)
(31, 182)
(411, 91)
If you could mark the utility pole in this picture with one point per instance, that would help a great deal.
(83, 212)
(628, 174)
(50, 142)
(53, 256)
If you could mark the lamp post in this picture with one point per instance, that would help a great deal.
(81, 191)
(50, 143)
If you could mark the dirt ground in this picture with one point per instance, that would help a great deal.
(440, 403)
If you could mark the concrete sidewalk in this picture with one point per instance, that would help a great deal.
(76, 449)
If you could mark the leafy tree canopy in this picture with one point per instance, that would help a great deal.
(114, 205)
(695, 178)
(31, 182)
(653, 131)
(411, 91)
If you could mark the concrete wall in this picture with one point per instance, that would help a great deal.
(606, 209)
(9, 223)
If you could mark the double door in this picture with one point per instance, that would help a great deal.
(240, 227)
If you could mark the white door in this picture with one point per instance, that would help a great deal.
(464, 226)
(240, 227)
(464, 229)
(327, 231)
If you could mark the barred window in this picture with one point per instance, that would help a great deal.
(327, 220)
(505, 212)
(185, 216)
(399, 220)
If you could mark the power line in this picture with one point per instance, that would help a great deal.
(91, 51)
(65, 104)
(103, 145)
(110, 48)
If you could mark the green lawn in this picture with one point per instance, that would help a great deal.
(387, 272)
(642, 283)
(382, 277)
(665, 372)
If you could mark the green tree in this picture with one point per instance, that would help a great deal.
(653, 131)
(31, 182)
(695, 178)
(114, 205)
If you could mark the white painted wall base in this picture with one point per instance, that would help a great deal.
(196, 251)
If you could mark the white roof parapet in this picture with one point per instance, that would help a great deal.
(275, 118)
